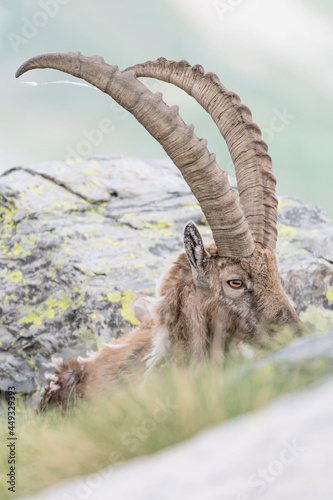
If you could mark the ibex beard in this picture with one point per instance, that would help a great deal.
(212, 295)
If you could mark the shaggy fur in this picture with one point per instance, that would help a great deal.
(195, 312)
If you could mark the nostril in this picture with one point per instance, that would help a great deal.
(287, 315)
(279, 314)
(294, 321)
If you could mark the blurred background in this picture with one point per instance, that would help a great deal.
(276, 55)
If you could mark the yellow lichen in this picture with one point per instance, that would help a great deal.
(317, 318)
(329, 294)
(127, 308)
(15, 276)
(33, 319)
(61, 304)
(90, 172)
(84, 333)
(287, 231)
(75, 160)
(36, 189)
(18, 249)
(97, 210)
(191, 204)
(31, 361)
(285, 203)
(114, 297)
(50, 309)
(158, 225)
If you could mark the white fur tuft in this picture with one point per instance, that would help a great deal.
(161, 344)
(57, 363)
(51, 377)
(53, 386)
(116, 346)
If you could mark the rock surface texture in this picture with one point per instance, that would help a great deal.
(80, 240)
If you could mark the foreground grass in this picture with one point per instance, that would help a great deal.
(173, 405)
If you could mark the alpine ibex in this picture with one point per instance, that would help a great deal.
(212, 294)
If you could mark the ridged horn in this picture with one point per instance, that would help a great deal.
(207, 181)
(253, 166)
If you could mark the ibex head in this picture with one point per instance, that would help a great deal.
(230, 287)
(245, 292)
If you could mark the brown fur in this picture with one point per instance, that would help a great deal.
(194, 312)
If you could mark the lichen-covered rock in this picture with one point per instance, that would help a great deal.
(305, 250)
(80, 240)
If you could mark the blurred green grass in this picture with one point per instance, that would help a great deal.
(132, 421)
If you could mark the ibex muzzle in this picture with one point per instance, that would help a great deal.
(211, 295)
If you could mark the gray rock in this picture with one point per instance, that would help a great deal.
(305, 257)
(80, 240)
(282, 451)
(316, 348)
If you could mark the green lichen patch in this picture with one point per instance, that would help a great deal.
(317, 318)
(127, 307)
(52, 308)
(287, 231)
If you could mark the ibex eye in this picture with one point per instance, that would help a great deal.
(235, 283)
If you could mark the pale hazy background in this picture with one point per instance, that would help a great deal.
(277, 55)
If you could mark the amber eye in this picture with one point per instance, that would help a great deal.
(235, 283)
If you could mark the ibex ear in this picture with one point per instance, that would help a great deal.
(195, 251)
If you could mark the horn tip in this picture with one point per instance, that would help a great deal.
(22, 69)
(41, 60)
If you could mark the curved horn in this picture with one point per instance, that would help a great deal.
(207, 181)
(253, 166)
